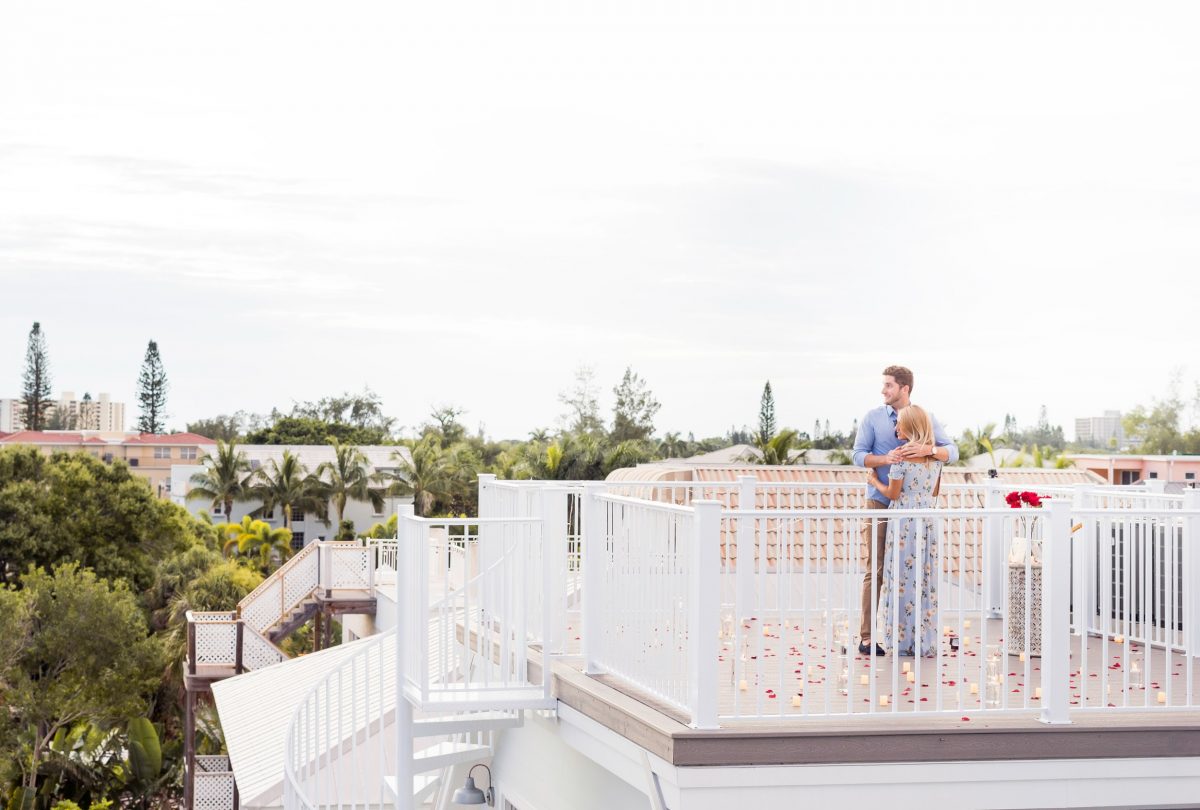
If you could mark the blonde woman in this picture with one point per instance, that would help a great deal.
(908, 599)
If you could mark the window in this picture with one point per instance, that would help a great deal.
(298, 516)
(1130, 476)
(1186, 477)
(297, 541)
(1152, 475)
(108, 460)
(255, 464)
(162, 452)
(189, 453)
(270, 515)
(133, 462)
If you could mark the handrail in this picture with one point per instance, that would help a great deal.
(278, 574)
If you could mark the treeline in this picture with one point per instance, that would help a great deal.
(96, 577)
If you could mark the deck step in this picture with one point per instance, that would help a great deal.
(445, 754)
(462, 723)
(423, 784)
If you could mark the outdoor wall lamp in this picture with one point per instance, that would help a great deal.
(469, 794)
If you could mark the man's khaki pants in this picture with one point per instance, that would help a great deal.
(873, 578)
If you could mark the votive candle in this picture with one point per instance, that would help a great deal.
(1021, 658)
(1162, 697)
(864, 680)
(883, 700)
(795, 701)
(1037, 692)
(966, 624)
(743, 685)
(912, 677)
(974, 689)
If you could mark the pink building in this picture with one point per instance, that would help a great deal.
(1121, 469)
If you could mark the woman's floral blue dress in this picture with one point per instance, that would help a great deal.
(910, 558)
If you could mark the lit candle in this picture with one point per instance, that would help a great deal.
(1162, 697)
(974, 689)
(1021, 658)
(795, 701)
(966, 624)
(966, 641)
(766, 629)
(883, 700)
(912, 677)
(864, 680)
(1118, 639)
(1037, 693)
(906, 666)
(743, 685)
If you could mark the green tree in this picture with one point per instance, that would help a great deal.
(672, 446)
(85, 654)
(635, 408)
(1156, 426)
(785, 447)
(224, 479)
(446, 424)
(287, 485)
(223, 426)
(583, 409)
(74, 507)
(766, 415)
(256, 540)
(152, 392)
(35, 392)
(349, 478)
(424, 474)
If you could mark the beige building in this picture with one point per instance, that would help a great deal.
(150, 456)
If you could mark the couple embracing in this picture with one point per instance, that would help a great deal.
(903, 447)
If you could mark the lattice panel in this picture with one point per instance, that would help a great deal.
(212, 764)
(213, 791)
(257, 652)
(299, 582)
(216, 643)
(351, 567)
(263, 610)
(1016, 610)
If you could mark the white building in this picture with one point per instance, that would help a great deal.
(306, 527)
(686, 645)
(1100, 431)
(100, 414)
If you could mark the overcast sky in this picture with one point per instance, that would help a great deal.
(462, 203)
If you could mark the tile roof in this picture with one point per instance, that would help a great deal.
(42, 437)
(169, 438)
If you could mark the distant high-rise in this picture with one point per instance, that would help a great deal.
(69, 413)
(1100, 431)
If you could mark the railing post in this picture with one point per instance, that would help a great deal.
(1191, 581)
(747, 500)
(1081, 579)
(1056, 628)
(995, 553)
(237, 650)
(554, 570)
(704, 614)
(595, 544)
(404, 710)
(486, 508)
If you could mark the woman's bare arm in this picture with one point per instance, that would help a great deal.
(890, 490)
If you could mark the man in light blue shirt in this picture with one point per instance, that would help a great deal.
(877, 446)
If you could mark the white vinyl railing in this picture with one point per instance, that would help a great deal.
(1044, 610)
(219, 641)
(325, 566)
(333, 755)
(467, 615)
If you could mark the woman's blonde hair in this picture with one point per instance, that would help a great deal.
(916, 424)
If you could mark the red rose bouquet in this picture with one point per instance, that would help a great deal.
(1018, 499)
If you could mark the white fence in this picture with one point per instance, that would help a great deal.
(1050, 610)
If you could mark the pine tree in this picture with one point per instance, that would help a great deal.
(35, 394)
(633, 414)
(766, 414)
(152, 392)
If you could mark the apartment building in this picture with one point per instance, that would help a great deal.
(99, 414)
(1100, 431)
(148, 455)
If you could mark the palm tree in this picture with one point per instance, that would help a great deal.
(224, 479)
(289, 486)
(267, 543)
(981, 440)
(424, 474)
(349, 478)
(778, 449)
(672, 446)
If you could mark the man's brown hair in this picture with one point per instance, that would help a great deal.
(901, 375)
